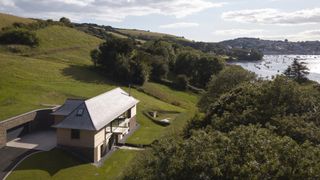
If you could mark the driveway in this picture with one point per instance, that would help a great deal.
(19, 148)
(41, 140)
(10, 156)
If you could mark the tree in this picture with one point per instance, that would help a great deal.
(159, 69)
(66, 21)
(139, 72)
(203, 69)
(197, 66)
(95, 56)
(121, 61)
(229, 78)
(297, 71)
(185, 62)
(110, 50)
(164, 49)
(181, 82)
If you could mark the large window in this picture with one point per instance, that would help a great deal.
(75, 134)
(128, 113)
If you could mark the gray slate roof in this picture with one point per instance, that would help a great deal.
(68, 106)
(99, 111)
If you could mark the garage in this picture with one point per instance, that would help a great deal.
(17, 131)
(21, 125)
(44, 140)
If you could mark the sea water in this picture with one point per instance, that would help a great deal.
(272, 65)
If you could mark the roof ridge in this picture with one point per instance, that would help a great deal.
(118, 88)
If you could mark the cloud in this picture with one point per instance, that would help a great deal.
(7, 3)
(274, 16)
(179, 25)
(309, 35)
(105, 10)
(239, 32)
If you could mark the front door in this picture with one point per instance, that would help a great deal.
(111, 142)
(102, 150)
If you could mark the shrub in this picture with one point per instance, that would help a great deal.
(19, 36)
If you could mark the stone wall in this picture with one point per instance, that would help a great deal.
(37, 119)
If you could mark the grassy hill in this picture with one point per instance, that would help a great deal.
(7, 20)
(60, 68)
(147, 35)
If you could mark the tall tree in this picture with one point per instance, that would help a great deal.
(297, 71)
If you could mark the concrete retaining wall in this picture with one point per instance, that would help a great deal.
(37, 119)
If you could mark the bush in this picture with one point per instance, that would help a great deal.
(19, 36)
(66, 21)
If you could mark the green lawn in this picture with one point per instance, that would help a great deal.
(57, 164)
(150, 131)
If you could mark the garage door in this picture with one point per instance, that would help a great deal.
(17, 131)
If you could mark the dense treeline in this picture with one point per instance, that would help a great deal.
(126, 60)
(217, 49)
(250, 129)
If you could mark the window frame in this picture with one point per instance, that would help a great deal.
(75, 134)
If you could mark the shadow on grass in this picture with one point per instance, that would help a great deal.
(88, 74)
(10, 156)
(51, 162)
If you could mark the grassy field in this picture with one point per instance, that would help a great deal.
(118, 35)
(68, 167)
(60, 68)
(142, 34)
(7, 20)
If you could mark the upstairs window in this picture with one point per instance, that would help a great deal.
(80, 112)
(75, 134)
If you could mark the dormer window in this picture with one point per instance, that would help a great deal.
(80, 112)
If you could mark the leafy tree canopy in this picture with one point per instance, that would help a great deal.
(246, 152)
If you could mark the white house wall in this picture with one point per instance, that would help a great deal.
(133, 110)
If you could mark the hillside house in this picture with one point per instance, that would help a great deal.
(91, 127)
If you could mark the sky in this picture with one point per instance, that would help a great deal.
(199, 20)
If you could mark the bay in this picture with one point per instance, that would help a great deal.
(272, 65)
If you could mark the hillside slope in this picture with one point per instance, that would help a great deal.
(61, 68)
(274, 47)
(65, 44)
(7, 20)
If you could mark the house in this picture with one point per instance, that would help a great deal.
(91, 127)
